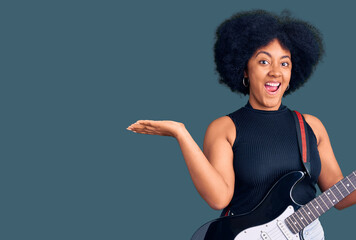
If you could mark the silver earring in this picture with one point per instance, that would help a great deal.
(244, 83)
(287, 87)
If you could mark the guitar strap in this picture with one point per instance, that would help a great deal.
(303, 139)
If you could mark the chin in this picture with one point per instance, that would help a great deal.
(273, 103)
(265, 100)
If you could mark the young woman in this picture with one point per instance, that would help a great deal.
(245, 152)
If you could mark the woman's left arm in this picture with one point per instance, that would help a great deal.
(330, 169)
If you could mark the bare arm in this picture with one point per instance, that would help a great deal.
(212, 171)
(330, 169)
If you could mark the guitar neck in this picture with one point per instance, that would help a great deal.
(318, 206)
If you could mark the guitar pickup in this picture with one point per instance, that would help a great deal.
(265, 236)
(284, 229)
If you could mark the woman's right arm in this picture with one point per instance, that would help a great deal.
(212, 171)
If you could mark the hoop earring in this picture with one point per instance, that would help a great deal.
(287, 87)
(244, 83)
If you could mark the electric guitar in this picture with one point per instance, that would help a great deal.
(277, 213)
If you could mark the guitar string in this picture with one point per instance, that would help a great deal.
(338, 187)
(343, 190)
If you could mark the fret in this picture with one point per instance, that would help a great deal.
(317, 214)
(345, 187)
(310, 211)
(314, 210)
(318, 206)
(335, 193)
(302, 219)
(322, 200)
(334, 201)
(326, 202)
(339, 190)
(347, 182)
(289, 223)
(351, 176)
(328, 193)
(306, 214)
(292, 224)
(350, 182)
(295, 221)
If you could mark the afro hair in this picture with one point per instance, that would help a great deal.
(238, 37)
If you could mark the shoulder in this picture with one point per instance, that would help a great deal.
(312, 119)
(316, 125)
(222, 127)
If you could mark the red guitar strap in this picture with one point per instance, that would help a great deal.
(303, 139)
(227, 212)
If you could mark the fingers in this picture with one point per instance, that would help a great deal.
(152, 127)
(146, 122)
(132, 127)
(141, 126)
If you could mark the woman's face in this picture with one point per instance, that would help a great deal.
(269, 71)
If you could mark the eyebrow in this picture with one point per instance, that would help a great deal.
(267, 53)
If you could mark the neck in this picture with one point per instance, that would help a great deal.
(318, 206)
(258, 106)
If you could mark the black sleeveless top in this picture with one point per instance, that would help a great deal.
(265, 149)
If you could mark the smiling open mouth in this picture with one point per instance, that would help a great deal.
(272, 87)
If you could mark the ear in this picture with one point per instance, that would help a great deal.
(245, 73)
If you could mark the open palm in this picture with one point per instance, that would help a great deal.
(155, 127)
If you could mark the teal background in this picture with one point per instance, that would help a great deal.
(75, 74)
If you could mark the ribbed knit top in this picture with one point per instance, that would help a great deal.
(265, 149)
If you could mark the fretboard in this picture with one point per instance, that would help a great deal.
(315, 208)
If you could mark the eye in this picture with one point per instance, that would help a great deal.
(264, 62)
(285, 64)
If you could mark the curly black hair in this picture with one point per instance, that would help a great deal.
(238, 37)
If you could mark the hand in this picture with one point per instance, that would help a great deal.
(152, 127)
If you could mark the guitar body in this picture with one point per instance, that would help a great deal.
(265, 221)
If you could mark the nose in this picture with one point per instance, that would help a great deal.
(275, 71)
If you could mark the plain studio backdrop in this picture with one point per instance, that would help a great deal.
(75, 74)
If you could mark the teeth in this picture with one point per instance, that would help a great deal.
(273, 84)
